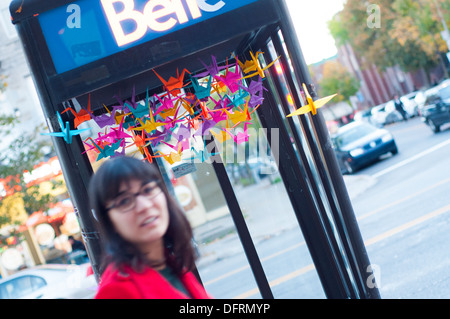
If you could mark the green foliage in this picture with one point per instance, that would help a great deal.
(337, 79)
(408, 36)
(22, 154)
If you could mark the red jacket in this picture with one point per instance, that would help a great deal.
(148, 284)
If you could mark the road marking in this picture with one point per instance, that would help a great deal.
(409, 160)
(228, 274)
(404, 199)
(368, 242)
(408, 225)
(278, 281)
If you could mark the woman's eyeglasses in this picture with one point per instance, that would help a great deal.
(127, 202)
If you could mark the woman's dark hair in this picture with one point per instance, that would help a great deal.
(105, 185)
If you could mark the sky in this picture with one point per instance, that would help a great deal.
(310, 21)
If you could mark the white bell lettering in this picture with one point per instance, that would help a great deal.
(158, 15)
(128, 13)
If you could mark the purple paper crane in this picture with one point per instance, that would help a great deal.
(204, 127)
(213, 69)
(106, 119)
(255, 89)
(158, 136)
(182, 133)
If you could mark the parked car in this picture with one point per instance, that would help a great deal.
(364, 115)
(436, 109)
(359, 144)
(410, 105)
(385, 114)
(52, 281)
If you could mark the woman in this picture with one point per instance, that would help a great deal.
(148, 251)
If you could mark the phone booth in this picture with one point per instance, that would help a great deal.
(215, 82)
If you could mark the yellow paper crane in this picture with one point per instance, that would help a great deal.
(312, 106)
(253, 65)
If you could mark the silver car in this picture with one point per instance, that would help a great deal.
(50, 281)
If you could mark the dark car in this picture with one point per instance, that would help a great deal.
(359, 144)
(436, 109)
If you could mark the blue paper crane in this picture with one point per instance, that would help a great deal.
(66, 132)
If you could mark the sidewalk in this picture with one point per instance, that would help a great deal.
(261, 215)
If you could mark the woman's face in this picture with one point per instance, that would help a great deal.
(140, 214)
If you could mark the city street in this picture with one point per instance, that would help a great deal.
(402, 210)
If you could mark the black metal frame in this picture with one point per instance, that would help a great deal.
(340, 257)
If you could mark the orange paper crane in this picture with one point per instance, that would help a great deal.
(253, 65)
(312, 106)
(174, 85)
(82, 116)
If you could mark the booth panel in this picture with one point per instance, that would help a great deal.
(271, 220)
(309, 153)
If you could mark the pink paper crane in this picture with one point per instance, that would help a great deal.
(240, 137)
(230, 79)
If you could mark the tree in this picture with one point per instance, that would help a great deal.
(408, 34)
(20, 156)
(337, 79)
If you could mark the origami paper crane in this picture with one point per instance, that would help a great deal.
(223, 135)
(104, 119)
(82, 116)
(312, 106)
(202, 155)
(139, 111)
(201, 92)
(230, 79)
(219, 87)
(66, 132)
(150, 124)
(240, 137)
(116, 133)
(255, 89)
(118, 116)
(213, 69)
(238, 98)
(239, 116)
(182, 133)
(173, 157)
(158, 136)
(204, 128)
(203, 112)
(254, 65)
(174, 85)
(140, 141)
(107, 150)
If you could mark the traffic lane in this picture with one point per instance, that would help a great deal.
(404, 194)
(412, 137)
(413, 262)
(384, 250)
(279, 266)
(383, 229)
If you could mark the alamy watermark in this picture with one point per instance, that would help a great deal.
(374, 277)
(374, 16)
(74, 19)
